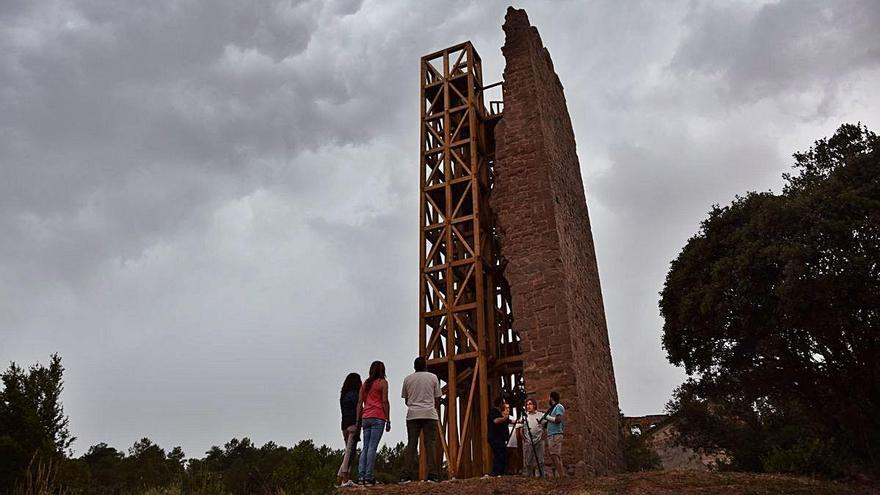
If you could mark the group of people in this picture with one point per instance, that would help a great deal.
(535, 433)
(366, 414)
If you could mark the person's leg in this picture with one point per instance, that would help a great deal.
(342, 474)
(499, 457)
(429, 428)
(355, 438)
(377, 427)
(366, 433)
(556, 455)
(550, 466)
(528, 459)
(367, 459)
(514, 461)
(409, 455)
(539, 454)
(341, 469)
(557, 465)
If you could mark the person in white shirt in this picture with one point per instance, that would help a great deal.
(421, 392)
(533, 440)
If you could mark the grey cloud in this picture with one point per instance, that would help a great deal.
(167, 101)
(787, 45)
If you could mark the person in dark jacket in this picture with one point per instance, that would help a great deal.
(499, 418)
(348, 402)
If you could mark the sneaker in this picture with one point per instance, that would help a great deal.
(404, 481)
(370, 482)
(432, 480)
(348, 484)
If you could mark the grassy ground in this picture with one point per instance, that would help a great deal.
(647, 483)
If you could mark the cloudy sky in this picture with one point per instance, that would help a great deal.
(209, 208)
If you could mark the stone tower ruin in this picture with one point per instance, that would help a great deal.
(511, 303)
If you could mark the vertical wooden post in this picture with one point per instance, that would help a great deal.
(422, 221)
(452, 378)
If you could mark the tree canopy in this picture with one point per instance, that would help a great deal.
(32, 420)
(773, 309)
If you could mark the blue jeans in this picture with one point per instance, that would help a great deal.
(372, 433)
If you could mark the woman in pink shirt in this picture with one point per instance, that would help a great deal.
(374, 416)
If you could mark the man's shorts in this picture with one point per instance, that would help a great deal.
(554, 445)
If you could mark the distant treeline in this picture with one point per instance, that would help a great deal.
(239, 467)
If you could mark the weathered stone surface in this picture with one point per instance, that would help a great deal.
(546, 238)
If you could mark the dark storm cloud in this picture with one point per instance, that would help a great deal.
(208, 206)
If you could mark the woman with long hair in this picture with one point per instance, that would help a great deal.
(348, 403)
(374, 413)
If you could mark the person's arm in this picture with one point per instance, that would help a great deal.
(360, 405)
(502, 419)
(438, 392)
(386, 405)
(560, 414)
(403, 394)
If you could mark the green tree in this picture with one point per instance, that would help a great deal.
(773, 309)
(147, 465)
(32, 421)
(244, 469)
(389, 463)
(105, 467)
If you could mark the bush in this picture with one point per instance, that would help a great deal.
(638, 455)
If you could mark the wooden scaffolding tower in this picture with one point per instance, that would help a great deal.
(465, 325)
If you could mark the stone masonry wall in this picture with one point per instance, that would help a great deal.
(546, 238)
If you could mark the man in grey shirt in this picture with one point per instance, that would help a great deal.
(421, 392)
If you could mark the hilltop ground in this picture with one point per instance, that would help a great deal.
(646, 483)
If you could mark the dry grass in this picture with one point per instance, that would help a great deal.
(39, 479)
(647, 483)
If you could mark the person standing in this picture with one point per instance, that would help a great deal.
(555, 428)
(499, 417)
(514, 455)
(421, 393)
(348, 399)
(374, 412)
(533, 440)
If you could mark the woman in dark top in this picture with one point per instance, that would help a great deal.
(348, 403)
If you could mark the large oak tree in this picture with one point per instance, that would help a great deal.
(773, 309)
